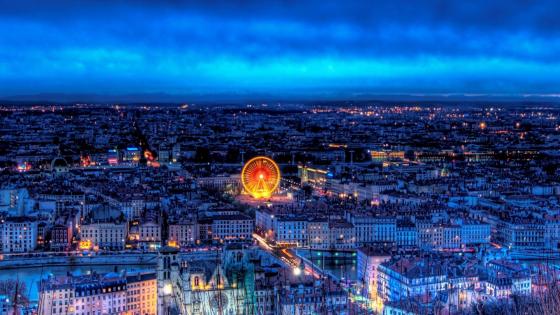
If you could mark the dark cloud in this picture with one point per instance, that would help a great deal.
(174, 46)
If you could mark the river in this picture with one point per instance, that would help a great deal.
(342, 265)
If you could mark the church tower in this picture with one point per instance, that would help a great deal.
(167, 275)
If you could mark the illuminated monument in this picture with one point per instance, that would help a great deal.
(260, 177)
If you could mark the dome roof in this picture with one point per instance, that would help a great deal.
(58, 162)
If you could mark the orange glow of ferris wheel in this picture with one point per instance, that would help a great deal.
(260, 177)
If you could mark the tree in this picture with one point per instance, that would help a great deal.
(202, 155)
(307, 191)
(15, 290)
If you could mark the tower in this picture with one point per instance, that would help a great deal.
(167, 274)
(242, 157)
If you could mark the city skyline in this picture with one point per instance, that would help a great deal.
(174, 51)
(279, 157)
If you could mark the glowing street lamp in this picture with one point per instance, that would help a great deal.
(167, 289)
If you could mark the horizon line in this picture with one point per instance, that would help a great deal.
(170, 98)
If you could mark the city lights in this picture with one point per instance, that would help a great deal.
(167, 289)
(258, 157)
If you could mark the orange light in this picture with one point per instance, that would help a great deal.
(148, 155)
(260, 177)
(86, 244)
(85, 161)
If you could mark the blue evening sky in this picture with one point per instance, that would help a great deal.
(327, 48)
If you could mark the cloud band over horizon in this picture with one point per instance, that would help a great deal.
(119, 47)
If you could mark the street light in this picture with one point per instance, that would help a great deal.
(167, 289)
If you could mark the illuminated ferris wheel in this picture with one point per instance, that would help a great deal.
(260, 177)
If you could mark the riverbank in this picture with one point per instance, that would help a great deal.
(148, 259)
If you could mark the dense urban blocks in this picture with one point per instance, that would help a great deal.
(369, 208)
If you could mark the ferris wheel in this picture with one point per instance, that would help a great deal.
(260, 177)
